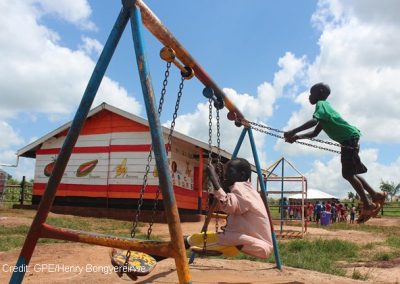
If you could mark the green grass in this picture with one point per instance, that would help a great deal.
(383, 256)
(15, 230)
(361, 227)
(12, 237)
(11, 242)
(369, 246)
(393, 241)
(319, 255)
(357, 275)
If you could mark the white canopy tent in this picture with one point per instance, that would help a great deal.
(314, 195)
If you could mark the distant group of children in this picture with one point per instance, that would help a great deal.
(339, 212)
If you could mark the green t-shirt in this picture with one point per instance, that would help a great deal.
(333, 124)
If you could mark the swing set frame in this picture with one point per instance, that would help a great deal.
(138, 13)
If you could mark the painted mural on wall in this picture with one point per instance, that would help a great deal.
(182, 166)
(86, 168)
(121, 169)
(48, 169)
(115, 167)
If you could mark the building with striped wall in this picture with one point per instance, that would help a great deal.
(108, 163)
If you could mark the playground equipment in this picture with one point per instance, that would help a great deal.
(137, 12)
(285, 209)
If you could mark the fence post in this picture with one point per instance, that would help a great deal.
(22, 193)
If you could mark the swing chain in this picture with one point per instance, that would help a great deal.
(219, 164)
(149, 159)
(168, 149)
(261, 128)
(210, 132)
(209, 163)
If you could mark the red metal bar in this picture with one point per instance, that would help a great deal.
(164, 249)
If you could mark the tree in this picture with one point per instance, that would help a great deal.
(389, 188)
(351, 196)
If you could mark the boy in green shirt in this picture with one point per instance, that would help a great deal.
(327, 119)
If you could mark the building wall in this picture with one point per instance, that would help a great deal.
(109, 160)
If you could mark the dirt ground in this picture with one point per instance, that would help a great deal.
(80, 263)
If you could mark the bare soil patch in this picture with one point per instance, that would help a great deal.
(80, 263)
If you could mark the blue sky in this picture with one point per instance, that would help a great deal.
(264, 54)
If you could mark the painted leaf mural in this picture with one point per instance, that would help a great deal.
(86, 168)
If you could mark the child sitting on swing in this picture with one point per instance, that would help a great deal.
(327, 119)
(248, 228)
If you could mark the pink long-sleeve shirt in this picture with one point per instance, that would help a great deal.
(248, 223)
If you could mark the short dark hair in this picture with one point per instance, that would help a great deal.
(321, 90)
(242, 166)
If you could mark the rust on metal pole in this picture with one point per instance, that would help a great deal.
(164, 249)
(158, 146)
(158, 29)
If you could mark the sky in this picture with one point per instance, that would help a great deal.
(265, 55)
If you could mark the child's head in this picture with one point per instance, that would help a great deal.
(319, 92)
(237, 169)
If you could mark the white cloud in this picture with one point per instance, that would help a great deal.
(8, 136)
(77, 12)
(256, 108)
(91, 46)
(328, 176)
(38, 75)
(359, 59)
(43, 76)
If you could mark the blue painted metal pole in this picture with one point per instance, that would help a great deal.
(66, 150)
(239, 143)
(164, 176)
(263, 195)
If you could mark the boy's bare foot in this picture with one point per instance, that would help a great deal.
(368, 212)
(380, 198)
(362, 219)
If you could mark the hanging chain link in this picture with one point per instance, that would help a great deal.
(168, 149)
(149, 157)
(210, 131)
(209, 163)
(147, 169)
(219, 163)
(261, 128)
